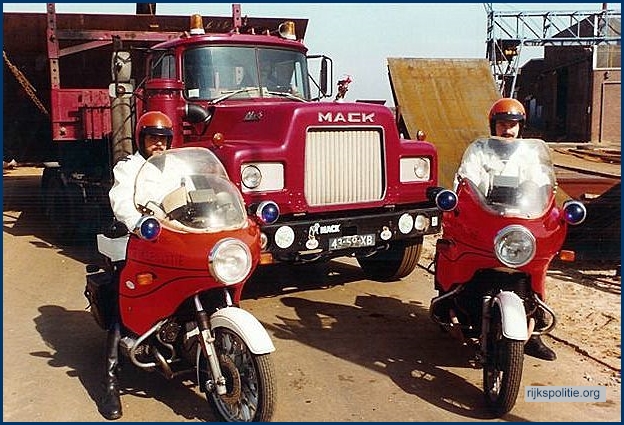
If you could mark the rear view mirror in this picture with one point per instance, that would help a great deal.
(323, 76)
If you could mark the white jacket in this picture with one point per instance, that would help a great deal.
(483, 160)
(121, 194)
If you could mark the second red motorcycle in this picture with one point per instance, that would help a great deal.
(490, 264)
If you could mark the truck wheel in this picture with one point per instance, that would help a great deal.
(398, 261)
(58, 207)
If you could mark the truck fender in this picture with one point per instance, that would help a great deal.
(246, 326)
(513, 315)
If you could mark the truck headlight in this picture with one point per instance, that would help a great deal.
(514, 246)
(230, 261)
(262, 176)
(414, 169)
(251, 177)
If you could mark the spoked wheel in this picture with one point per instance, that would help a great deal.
(250, 381)
(502, 371)
(398, 261)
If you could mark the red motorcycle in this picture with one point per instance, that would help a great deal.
(497, 242)
(180, 277)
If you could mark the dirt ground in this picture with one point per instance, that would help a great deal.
(592, 328)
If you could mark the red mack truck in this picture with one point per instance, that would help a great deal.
(324, 178)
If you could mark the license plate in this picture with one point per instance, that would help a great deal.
(354, 241)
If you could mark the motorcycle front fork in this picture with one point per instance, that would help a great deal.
(482, 353)
(206, 342)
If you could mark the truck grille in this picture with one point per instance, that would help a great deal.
(343, 166)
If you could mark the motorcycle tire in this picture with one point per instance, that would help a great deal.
(502, 371)
(398, 261)
(250, 381)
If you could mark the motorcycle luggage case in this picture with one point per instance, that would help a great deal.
(100, 293)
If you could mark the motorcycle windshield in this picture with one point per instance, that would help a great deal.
(513, 177)
(188, 189)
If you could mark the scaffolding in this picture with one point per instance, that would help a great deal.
(509, 32)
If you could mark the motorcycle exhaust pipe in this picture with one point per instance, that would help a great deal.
(531, 327)
(438, 299)
(455, 328)
(548, 310)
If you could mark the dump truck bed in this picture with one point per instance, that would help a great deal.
(84, 50)
(448, 99)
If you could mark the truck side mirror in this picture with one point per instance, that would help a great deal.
(323, 76)
(324, 66)
(121, 67)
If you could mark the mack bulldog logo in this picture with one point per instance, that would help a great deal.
(317, 229)
(351, 117)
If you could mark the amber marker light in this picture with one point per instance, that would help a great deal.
(566, 255)
(218, 139)
(197, 26)
(266, 258)
(144, 279)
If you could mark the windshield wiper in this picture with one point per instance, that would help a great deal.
(233, 93)
(286, 94)
(248, 89)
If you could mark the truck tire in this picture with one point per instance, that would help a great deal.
(398, 261)
(58, 207)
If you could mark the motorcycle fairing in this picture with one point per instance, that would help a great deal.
(467, 243)
(179, 266)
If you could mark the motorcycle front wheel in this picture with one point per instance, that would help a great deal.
(250, 381)
(502, 371)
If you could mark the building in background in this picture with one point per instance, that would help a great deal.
(573, 94)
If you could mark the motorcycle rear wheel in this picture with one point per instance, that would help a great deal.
(250, 381)
(502, 372)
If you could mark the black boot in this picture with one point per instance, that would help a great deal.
(110, 403)
(535, 347)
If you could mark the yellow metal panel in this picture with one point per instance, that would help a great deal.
(449, 99)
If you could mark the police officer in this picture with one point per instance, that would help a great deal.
(506, 118)
(153, 136)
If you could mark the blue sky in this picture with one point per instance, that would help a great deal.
(359, 37)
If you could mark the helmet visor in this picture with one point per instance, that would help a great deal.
(158, 131)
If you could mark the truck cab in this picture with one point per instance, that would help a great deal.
(323, 179)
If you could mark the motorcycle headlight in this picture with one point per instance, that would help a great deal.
(514, 246)
(230, 261)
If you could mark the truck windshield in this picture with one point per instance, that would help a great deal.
(215, 71)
